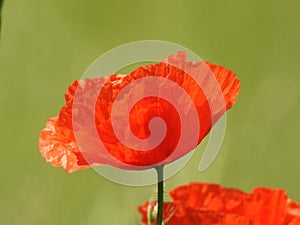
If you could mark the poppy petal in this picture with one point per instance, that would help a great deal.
(263, 205)
(186, 215)
(59, 144)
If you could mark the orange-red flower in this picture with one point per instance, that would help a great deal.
(200, 203)
(69, 139)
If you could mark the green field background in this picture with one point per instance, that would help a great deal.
(45, 45)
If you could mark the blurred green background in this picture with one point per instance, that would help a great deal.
(45, 45)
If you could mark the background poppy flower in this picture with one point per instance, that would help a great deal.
(68, 140)
(201, 203)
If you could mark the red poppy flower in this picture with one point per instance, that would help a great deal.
(69, 139)
(200, 203)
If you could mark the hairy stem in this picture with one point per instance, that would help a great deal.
(160, 193)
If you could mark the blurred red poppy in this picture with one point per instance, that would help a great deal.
(69, 140)
(200, 203)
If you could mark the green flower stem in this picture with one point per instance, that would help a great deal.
(160, 193)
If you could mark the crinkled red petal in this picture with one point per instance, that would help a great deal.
(263, 205)
(180, 214)
(57, 141)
